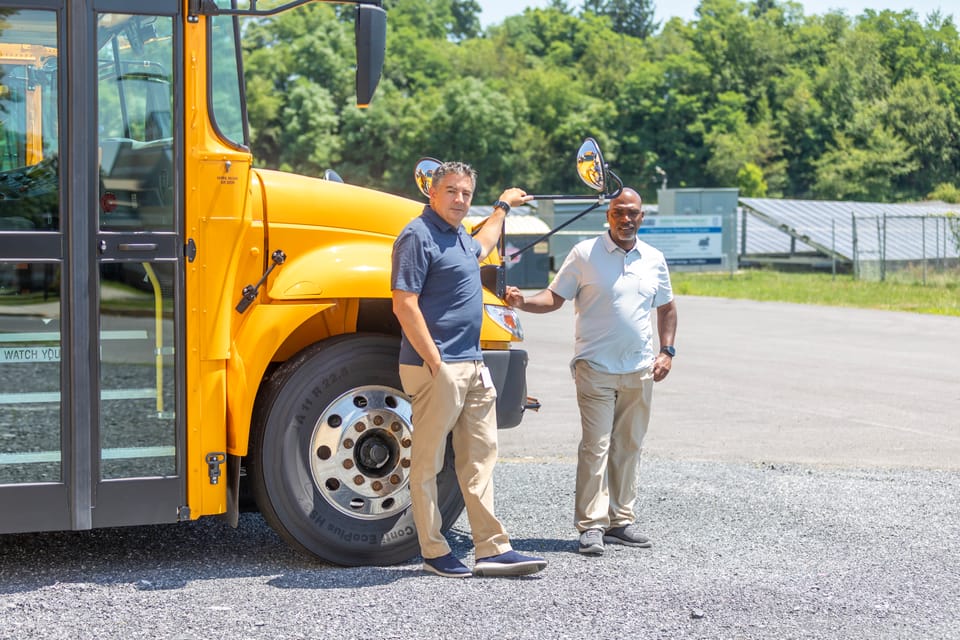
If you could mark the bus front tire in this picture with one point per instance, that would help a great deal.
(330, 454)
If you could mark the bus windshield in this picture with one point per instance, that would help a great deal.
(226, 82)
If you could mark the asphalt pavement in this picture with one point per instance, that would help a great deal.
(773, 382)
(799, 481)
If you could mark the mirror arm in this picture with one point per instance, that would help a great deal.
(619, 185)
(502, 241)
(211, 8)
(599, 201)
(557, 196)
(478, 226)
(553, 231)
(500, 288)
(502, 267)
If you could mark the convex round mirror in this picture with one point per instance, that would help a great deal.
(423, 174)
(590, 165)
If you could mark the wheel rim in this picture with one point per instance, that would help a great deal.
(360, 452)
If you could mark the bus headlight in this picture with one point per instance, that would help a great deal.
(506, 318)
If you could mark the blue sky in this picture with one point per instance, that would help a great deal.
(496, 10)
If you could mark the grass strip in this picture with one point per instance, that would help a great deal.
(939, 296)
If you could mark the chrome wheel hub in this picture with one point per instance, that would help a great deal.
(361, 452)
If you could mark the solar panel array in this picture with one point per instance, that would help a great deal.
(895, 232)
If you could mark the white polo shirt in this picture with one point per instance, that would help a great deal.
(614, 292)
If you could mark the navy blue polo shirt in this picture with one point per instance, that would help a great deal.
(439, 263)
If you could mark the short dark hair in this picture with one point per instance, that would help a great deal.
(454, 168)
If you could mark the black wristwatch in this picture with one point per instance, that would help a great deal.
(500, 204)
(669, 350)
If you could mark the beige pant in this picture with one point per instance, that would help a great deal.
(614, 414)
(456, 401)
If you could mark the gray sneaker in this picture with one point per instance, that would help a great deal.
(591, 542)
(628, 535)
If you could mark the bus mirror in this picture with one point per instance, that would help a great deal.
(371, 36)
(423, 174)
(590, 166)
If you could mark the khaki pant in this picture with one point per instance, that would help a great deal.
(614, 414)
(456, 401)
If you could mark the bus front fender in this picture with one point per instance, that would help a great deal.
(359, 269)
(264, 332)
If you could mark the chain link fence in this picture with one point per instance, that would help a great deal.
(911, 248)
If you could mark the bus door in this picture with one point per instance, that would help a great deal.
(91, 254)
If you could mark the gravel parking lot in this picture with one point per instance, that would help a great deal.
(800, 481)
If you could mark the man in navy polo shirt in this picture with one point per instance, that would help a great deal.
(437, 297)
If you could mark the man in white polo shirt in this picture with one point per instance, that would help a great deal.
(615, 281)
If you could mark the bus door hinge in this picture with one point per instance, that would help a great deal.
(215, 460)
(183, 513)
(190, 250)
(250, 291)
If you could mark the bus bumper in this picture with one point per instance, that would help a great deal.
(509, 371)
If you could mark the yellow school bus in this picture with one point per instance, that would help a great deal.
(179, 330)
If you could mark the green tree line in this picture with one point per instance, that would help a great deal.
(755, 95)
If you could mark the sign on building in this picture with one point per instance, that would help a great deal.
(686, 240)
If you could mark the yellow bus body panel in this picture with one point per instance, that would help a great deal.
(337, 239)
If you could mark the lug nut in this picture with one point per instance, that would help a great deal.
(394, 479)
(348, 464)
(406, 442)
(360, 427)
(358, 479)
(377, 485)
(395, 427)
(378, 420)
(348, 444)
(405, 463)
